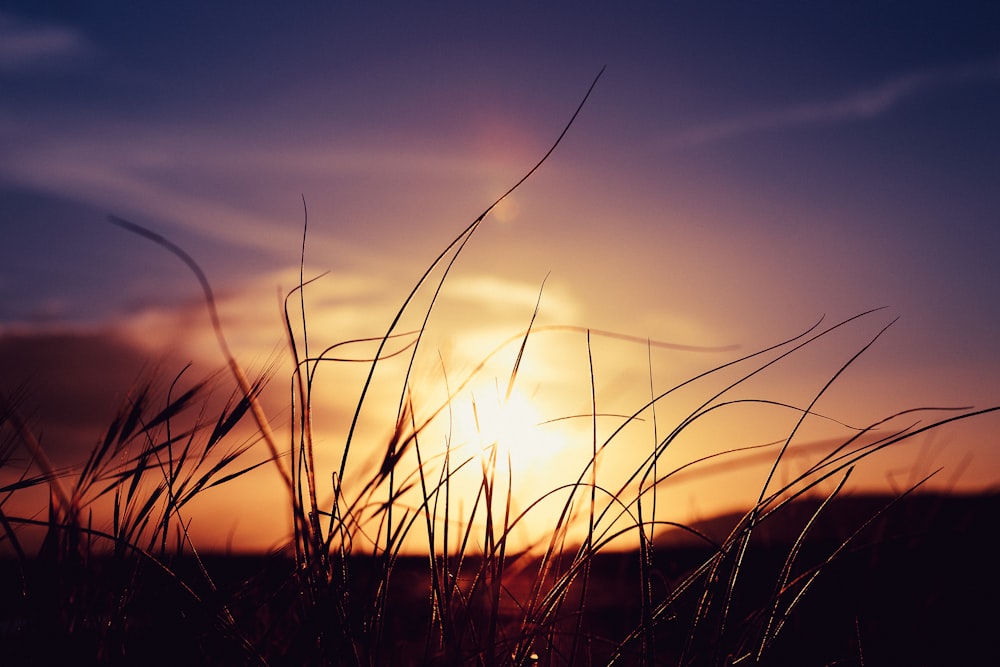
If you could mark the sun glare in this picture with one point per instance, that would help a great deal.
(513, 425)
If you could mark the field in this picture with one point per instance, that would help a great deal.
(914, 588)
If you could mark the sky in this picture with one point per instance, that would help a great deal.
(739, 172)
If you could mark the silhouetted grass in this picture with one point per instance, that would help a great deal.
(345, 591)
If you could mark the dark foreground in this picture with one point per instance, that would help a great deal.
(917, 587)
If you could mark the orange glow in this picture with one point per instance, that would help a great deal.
(512, 424)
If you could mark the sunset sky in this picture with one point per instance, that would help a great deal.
(740, 171)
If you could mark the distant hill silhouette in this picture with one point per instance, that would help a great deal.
(931, 516)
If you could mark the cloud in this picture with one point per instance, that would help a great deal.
(69, 384)
(859, 105)
(519, 298)
(28, 46)
(203, 179)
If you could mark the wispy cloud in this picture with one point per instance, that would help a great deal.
(199, 178)
(25, 46)
(859, 105)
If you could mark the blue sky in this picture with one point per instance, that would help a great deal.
(740, 171)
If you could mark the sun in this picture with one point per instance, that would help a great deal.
(513, 425)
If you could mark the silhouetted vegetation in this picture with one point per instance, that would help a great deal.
(807, 575)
